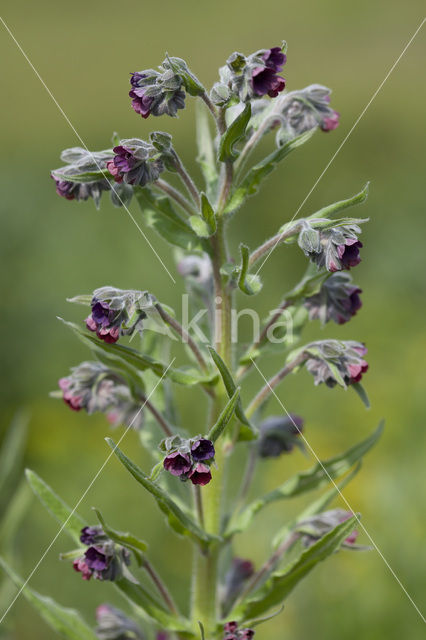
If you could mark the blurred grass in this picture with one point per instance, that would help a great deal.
(53, 249)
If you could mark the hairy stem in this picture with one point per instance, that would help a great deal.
(187, 180)
(175, 195)
(273, 382)
(186, 338)
(162, 589)
(268, 246)
(157, 415)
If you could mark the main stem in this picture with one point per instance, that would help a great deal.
(205, 572)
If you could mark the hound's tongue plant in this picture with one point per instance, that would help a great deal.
(130, 380)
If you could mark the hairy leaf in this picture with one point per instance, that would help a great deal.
(337, 207)
(222, 422)
(206, 154)
(319, 476)
(233, 134)
(128, 540)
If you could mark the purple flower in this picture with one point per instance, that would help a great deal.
(81, 566)
(253, 76)
(348, 254)
(89, 535)
(338, 300)
(200, 474)
(74, 400)
(113, 624)
(96, 559)
(178, 464)
(232, 632)
(202, 449)
(336, 248)
(135, 162)
(279, 434)
(103, 560)
(264, 78)
(236, 577)
(157, 93)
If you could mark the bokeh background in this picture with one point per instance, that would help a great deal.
(52, 249)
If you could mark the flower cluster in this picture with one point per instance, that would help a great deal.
(233, 632)
(306, 109)
(117, 312)
(113, 624)
(189, 459)
(335, 249)
(135, 162)
(336, 362)
(84, 176)
(315, 527)
(94, 387)
(338, 300)
(103, 560)
(253, 76)
(157, 92)
(279, 434)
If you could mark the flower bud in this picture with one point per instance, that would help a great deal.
(157, 93)
(337, 300)
(335, 362)
(338, 247)
(279, 434)
(220, 94)
(113, 624)
(309, 240)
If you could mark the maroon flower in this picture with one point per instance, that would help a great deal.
(96, 559)
(202, 449)
(330, 122)
(338, 300)
(134, 163)
(178, 464)
(349, 254)
(200, 474)
(72, 399)
(89, 535)
(264, 79)
(81, 566)
(232, 632)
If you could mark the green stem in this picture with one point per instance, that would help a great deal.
(175, 195)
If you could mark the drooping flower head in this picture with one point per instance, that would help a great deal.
(335, 248)
(337, 300)
(114, 624)
(84, 176)
(279, 434)
(157, 92)
(254, 76)
(336, 362)
(135, 162)
(103, 560)
(317, 526)
(233, 632)
(117, 312)
(92, 386)
(189, 459)
(305, 110)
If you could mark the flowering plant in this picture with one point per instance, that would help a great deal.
(134, 386)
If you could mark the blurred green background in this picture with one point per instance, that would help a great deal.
(53, 249)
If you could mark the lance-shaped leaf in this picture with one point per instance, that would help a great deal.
(249, 284)
(71, 522)
(160, 214)
(337, 207)
(315, 507)
(178, 520)
(180, 67)
(252, 180)
(86, 176)
(246, 431)
(206, 155)
(233, 134)
(11, 455)
(128, 540)
(67, 622)
(319, 476)
(141, 599)
(281, 583)
(222, 422)
(208, 214)
(359, 389)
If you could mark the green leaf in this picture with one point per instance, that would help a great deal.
(247, 432)
(337, 207)
(252, 180)
(200, 226)
(208, 214)
(315, 507)
(128, 540)
(319, 476)
(87, 176)
(192, 85)
(233, 134)
(16, 511)
(70, 521)
(282, 583)
(206, 155)
(222, 422)
(11, 455)
(359, 389)
(67, 622)
(160, 214)
(178, 520)
(249, 284)
(310, 284)
(140, 597)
